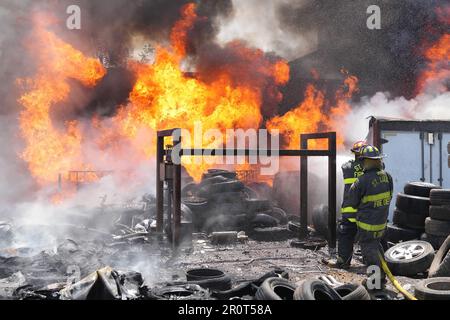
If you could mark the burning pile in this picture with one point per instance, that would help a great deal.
(235, 92)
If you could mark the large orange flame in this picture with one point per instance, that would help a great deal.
(163, 97)
(51, 150)
(312, 114)
(437, 72)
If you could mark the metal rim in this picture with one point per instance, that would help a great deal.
(407, 251)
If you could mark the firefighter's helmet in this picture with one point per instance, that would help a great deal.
(371, 152)
(358, 146)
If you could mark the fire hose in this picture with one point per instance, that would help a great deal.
(394, 281)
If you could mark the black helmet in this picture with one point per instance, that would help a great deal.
(371, 152)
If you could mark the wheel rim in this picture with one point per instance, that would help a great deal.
(408, 251)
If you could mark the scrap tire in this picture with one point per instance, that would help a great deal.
(262, 220)
(435, 241)
(420, 189)
(294, 226)
(433, 289)
(190, 189)
(397, 234)
(227, 197)
(402, 266)
(250, 193)
(353, 292)
(440, 197)
(226, 186)
(219, 172)
(196, 205)
(314, 289)
(278, 214)
(440, 267)
(413, 204)
(257, 205)
(276, 289)
(212, 279)
(212, 180)
(440, 212)
(437, 227)
(411, 221)
(184, 292)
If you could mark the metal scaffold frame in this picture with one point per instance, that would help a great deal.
(172, 171)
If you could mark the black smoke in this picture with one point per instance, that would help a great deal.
(387, 60)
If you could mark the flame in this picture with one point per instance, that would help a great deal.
(438, 70)
(164, 97)
(311, 115)
(437, 55)
(51, 150)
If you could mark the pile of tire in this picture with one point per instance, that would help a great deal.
(309, 289)
(437, 225)
(204, 283)
(411, 211)
(221, 202)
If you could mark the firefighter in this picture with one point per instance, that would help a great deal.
(347, 229)
(371, 195)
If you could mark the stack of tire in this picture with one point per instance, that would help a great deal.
(437, 286)
(437, 225)
(221, 202)
(412, 209)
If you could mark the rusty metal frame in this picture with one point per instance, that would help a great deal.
(331, 154)
(303, 153)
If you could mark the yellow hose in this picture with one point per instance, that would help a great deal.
(394, 281)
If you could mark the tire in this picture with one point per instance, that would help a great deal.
(241, 290)
(227, 197)
(308, 244)
(278, 214)
(256, 205)
(276, 289)
(250, 193)
(219, 172)
(197, 205)
(264, 221)
(437, 227)
(190, 189)
(411, 221)
(228, 186)
(212, 279)
(440, 267)
(413, 204)
(353, 292)
(271, 234)
(313, 289)
(294, 227)
(212, 180)
(181, 292)
(420, 189)
(435, 241)
(396, 234)
(433, 289)
(409, 258)
(440, 212)
(440, 197)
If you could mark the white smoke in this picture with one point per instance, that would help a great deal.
(257, 23)
(422, 107)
